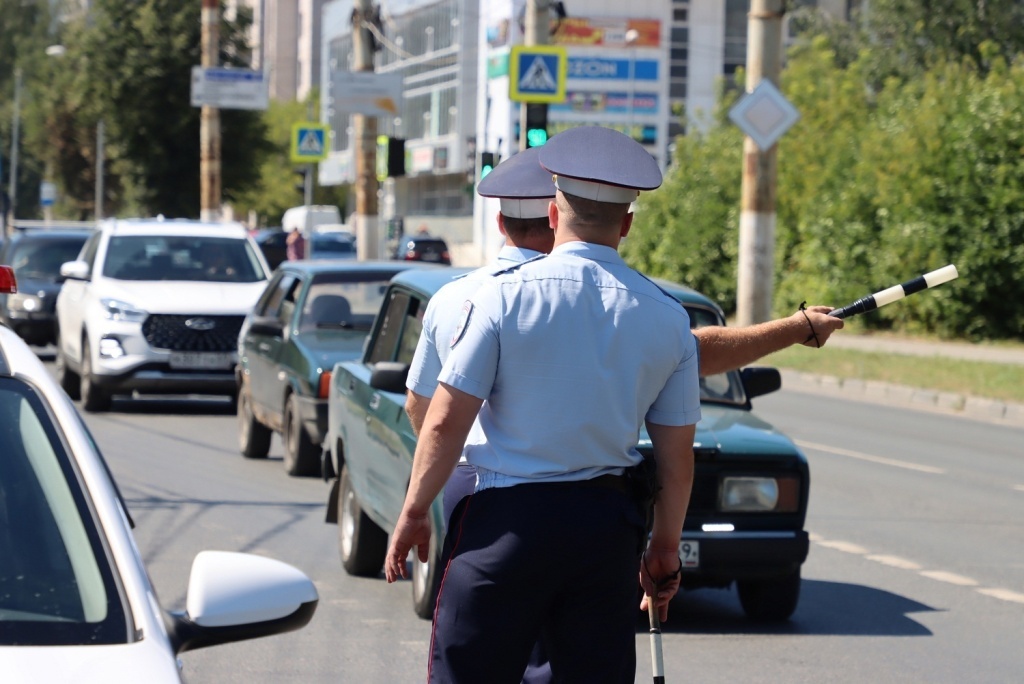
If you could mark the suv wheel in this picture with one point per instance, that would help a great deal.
(68, 379)
(301, 455)
(426, 579)
(253, 436)
(362, 543)
(770, 600)
(94, 397)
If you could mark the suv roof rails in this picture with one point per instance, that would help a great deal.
(60, 224)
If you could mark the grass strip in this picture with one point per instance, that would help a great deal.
(972, 378)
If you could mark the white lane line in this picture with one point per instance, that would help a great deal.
(949, 577)
(846, 547)
(1019, 488)
(895, 562)
(873, 459)
(1003, 594)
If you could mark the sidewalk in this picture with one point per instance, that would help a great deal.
(977, 408)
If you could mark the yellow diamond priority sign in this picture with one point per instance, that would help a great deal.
(309, 142)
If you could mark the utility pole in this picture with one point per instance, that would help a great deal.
(209, 121)
(364, 132)
(535, 32)
(100, 160)
(13, 187)
(757, 211)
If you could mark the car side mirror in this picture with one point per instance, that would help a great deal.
(389, 376)
(758, 381)
(266, 325)
(75, 270)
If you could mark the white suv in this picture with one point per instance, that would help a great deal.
(155, 306)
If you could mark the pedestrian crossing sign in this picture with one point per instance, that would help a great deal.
(309, 142)
(537, 73)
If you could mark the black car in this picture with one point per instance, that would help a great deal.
(327, 245)
(36, 255)
(427, 248)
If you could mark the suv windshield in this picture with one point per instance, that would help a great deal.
(174, 257)
(725, 388)
(41, 258)
(56, 587)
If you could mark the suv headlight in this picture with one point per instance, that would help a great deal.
(116, 310)
(760, 494)
(24, 302)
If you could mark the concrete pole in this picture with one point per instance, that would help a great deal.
(364, 134)
(100, 161)
(535, 32)
(209, 121)
(757, 212)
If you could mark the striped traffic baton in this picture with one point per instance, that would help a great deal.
(896, 292)
(657, 662)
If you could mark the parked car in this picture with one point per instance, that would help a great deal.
(36, 254)
(155, 306)
(427, 248)
(311, 315)
(321, 245)
(746, 516)
(76, 602)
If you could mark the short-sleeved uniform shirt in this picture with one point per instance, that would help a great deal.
(442, 318)
(571, 353)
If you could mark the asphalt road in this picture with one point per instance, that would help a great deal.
(916, 572)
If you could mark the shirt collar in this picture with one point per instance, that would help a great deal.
(516, 255)
(588, 250)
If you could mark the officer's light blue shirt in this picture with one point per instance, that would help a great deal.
(442, 317)
(571, 354)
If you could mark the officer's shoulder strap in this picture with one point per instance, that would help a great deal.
(660, 288)
(515, 267)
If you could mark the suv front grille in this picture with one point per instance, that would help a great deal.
(195, 333)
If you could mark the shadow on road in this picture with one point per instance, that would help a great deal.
(825, 608)
(189, 405)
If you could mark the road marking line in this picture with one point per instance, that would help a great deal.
(895, 562)
(949, 577)
(873, 459)
(1003, 594)
(843, 546)
(1019, 488)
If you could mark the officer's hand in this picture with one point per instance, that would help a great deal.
(660, 573)
(409, 532)
(819, 324)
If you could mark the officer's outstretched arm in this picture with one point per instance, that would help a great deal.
(727, 348)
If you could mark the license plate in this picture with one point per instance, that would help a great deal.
(689, 553)
(201, 360)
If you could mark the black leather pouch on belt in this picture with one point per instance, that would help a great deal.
(643, 485)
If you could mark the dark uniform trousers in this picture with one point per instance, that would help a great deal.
(557, 562)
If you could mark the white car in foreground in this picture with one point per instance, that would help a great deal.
(76, 603)
(155, 306)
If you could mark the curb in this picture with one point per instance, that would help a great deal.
(875, 391)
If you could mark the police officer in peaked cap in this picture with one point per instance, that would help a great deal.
(564, 358)
(525, 190)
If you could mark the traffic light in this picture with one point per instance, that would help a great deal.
(300, 184)
(536, 124)
(390, 157)
(488, 160)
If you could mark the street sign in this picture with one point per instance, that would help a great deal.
(47, 193)
(764, 114)
(229, 88)
(537, 73)
(309, 142)
(366, 92)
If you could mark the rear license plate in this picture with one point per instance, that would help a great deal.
(689, 554)
(201, 360)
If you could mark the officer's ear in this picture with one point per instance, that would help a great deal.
(501, 224)
(553, 215)
(627, 223)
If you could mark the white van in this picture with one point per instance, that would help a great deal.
(308, 218)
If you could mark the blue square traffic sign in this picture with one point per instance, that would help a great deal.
(537, 73)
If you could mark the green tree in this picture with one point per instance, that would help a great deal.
(133, 65)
